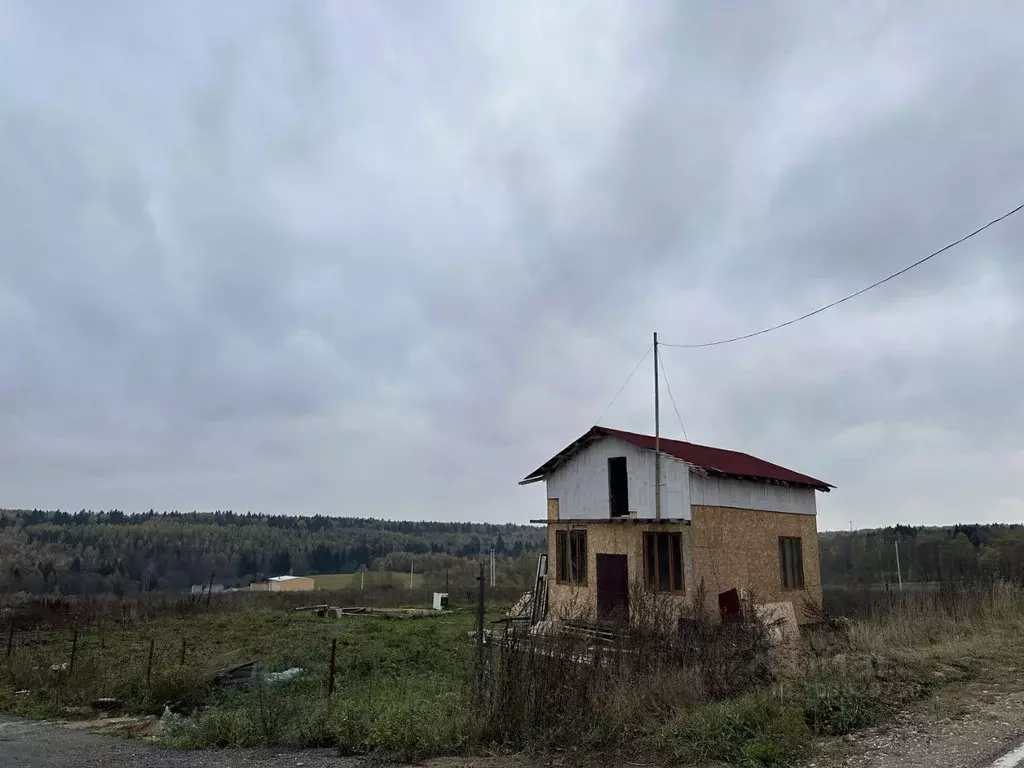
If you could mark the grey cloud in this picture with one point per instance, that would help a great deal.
(314, 258)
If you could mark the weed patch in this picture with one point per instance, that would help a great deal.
(755, 729)
(837, 707)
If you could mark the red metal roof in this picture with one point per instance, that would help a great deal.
(713, 460)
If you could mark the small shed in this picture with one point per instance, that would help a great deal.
(285, 584)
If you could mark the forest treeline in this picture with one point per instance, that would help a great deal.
(957, 553)
(111, 552)
(89, 552)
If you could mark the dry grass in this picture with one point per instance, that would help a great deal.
(954, 622)
(626, 690)
(660, 690)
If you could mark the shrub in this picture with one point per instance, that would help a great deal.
(836, 707)
(754, 729)
(592, 688)
(405, 722)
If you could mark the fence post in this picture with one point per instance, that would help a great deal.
(209, 590)
(149, 662)
(330, 677)
(182, 661)
(74, 649)
(10, 639)
(480, 623)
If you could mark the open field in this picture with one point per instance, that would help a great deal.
(398, 671)
(373, 579)
(411, 688)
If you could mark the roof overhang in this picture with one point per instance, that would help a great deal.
(615, 521)
(549, 466)
(708, 472)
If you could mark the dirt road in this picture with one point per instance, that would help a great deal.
(29, 744)
(35, 744)
(967, 726)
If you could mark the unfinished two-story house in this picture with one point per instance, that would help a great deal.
(727, 519)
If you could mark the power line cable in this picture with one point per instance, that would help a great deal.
(668, 386)
(637, 368)
(884, 280)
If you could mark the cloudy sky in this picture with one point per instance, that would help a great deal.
(385, 258)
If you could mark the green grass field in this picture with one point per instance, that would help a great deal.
(374, 579)
(399, 682)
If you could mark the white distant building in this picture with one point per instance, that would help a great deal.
(284, 584)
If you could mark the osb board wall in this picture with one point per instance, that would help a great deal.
(740, 548)
(571, 601)
(552, 509)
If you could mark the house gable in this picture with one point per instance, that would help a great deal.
(580, 483)
(578, 486)
(714, 461)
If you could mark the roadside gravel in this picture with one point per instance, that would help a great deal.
(965, 726)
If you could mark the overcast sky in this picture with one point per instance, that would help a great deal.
(386, 258)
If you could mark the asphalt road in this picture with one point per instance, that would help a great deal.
(1011, 759)
(29, 744)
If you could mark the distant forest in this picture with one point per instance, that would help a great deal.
(112, 552)
(957, 553)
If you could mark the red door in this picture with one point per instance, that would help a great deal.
(612, 588)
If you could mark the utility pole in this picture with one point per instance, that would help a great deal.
(657, 437)
(899, 572)
(410, 573)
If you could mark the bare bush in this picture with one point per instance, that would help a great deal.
(598, 686)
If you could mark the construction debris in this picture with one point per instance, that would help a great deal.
(523, 608)
(241, 674)
(236, 675)
(273, 678)
(532, 607)
(540, 589)
(337, 612)
(107, 704)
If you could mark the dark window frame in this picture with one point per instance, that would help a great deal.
(618, 487)
(791, 562)
(653, 551)
(571, 557)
